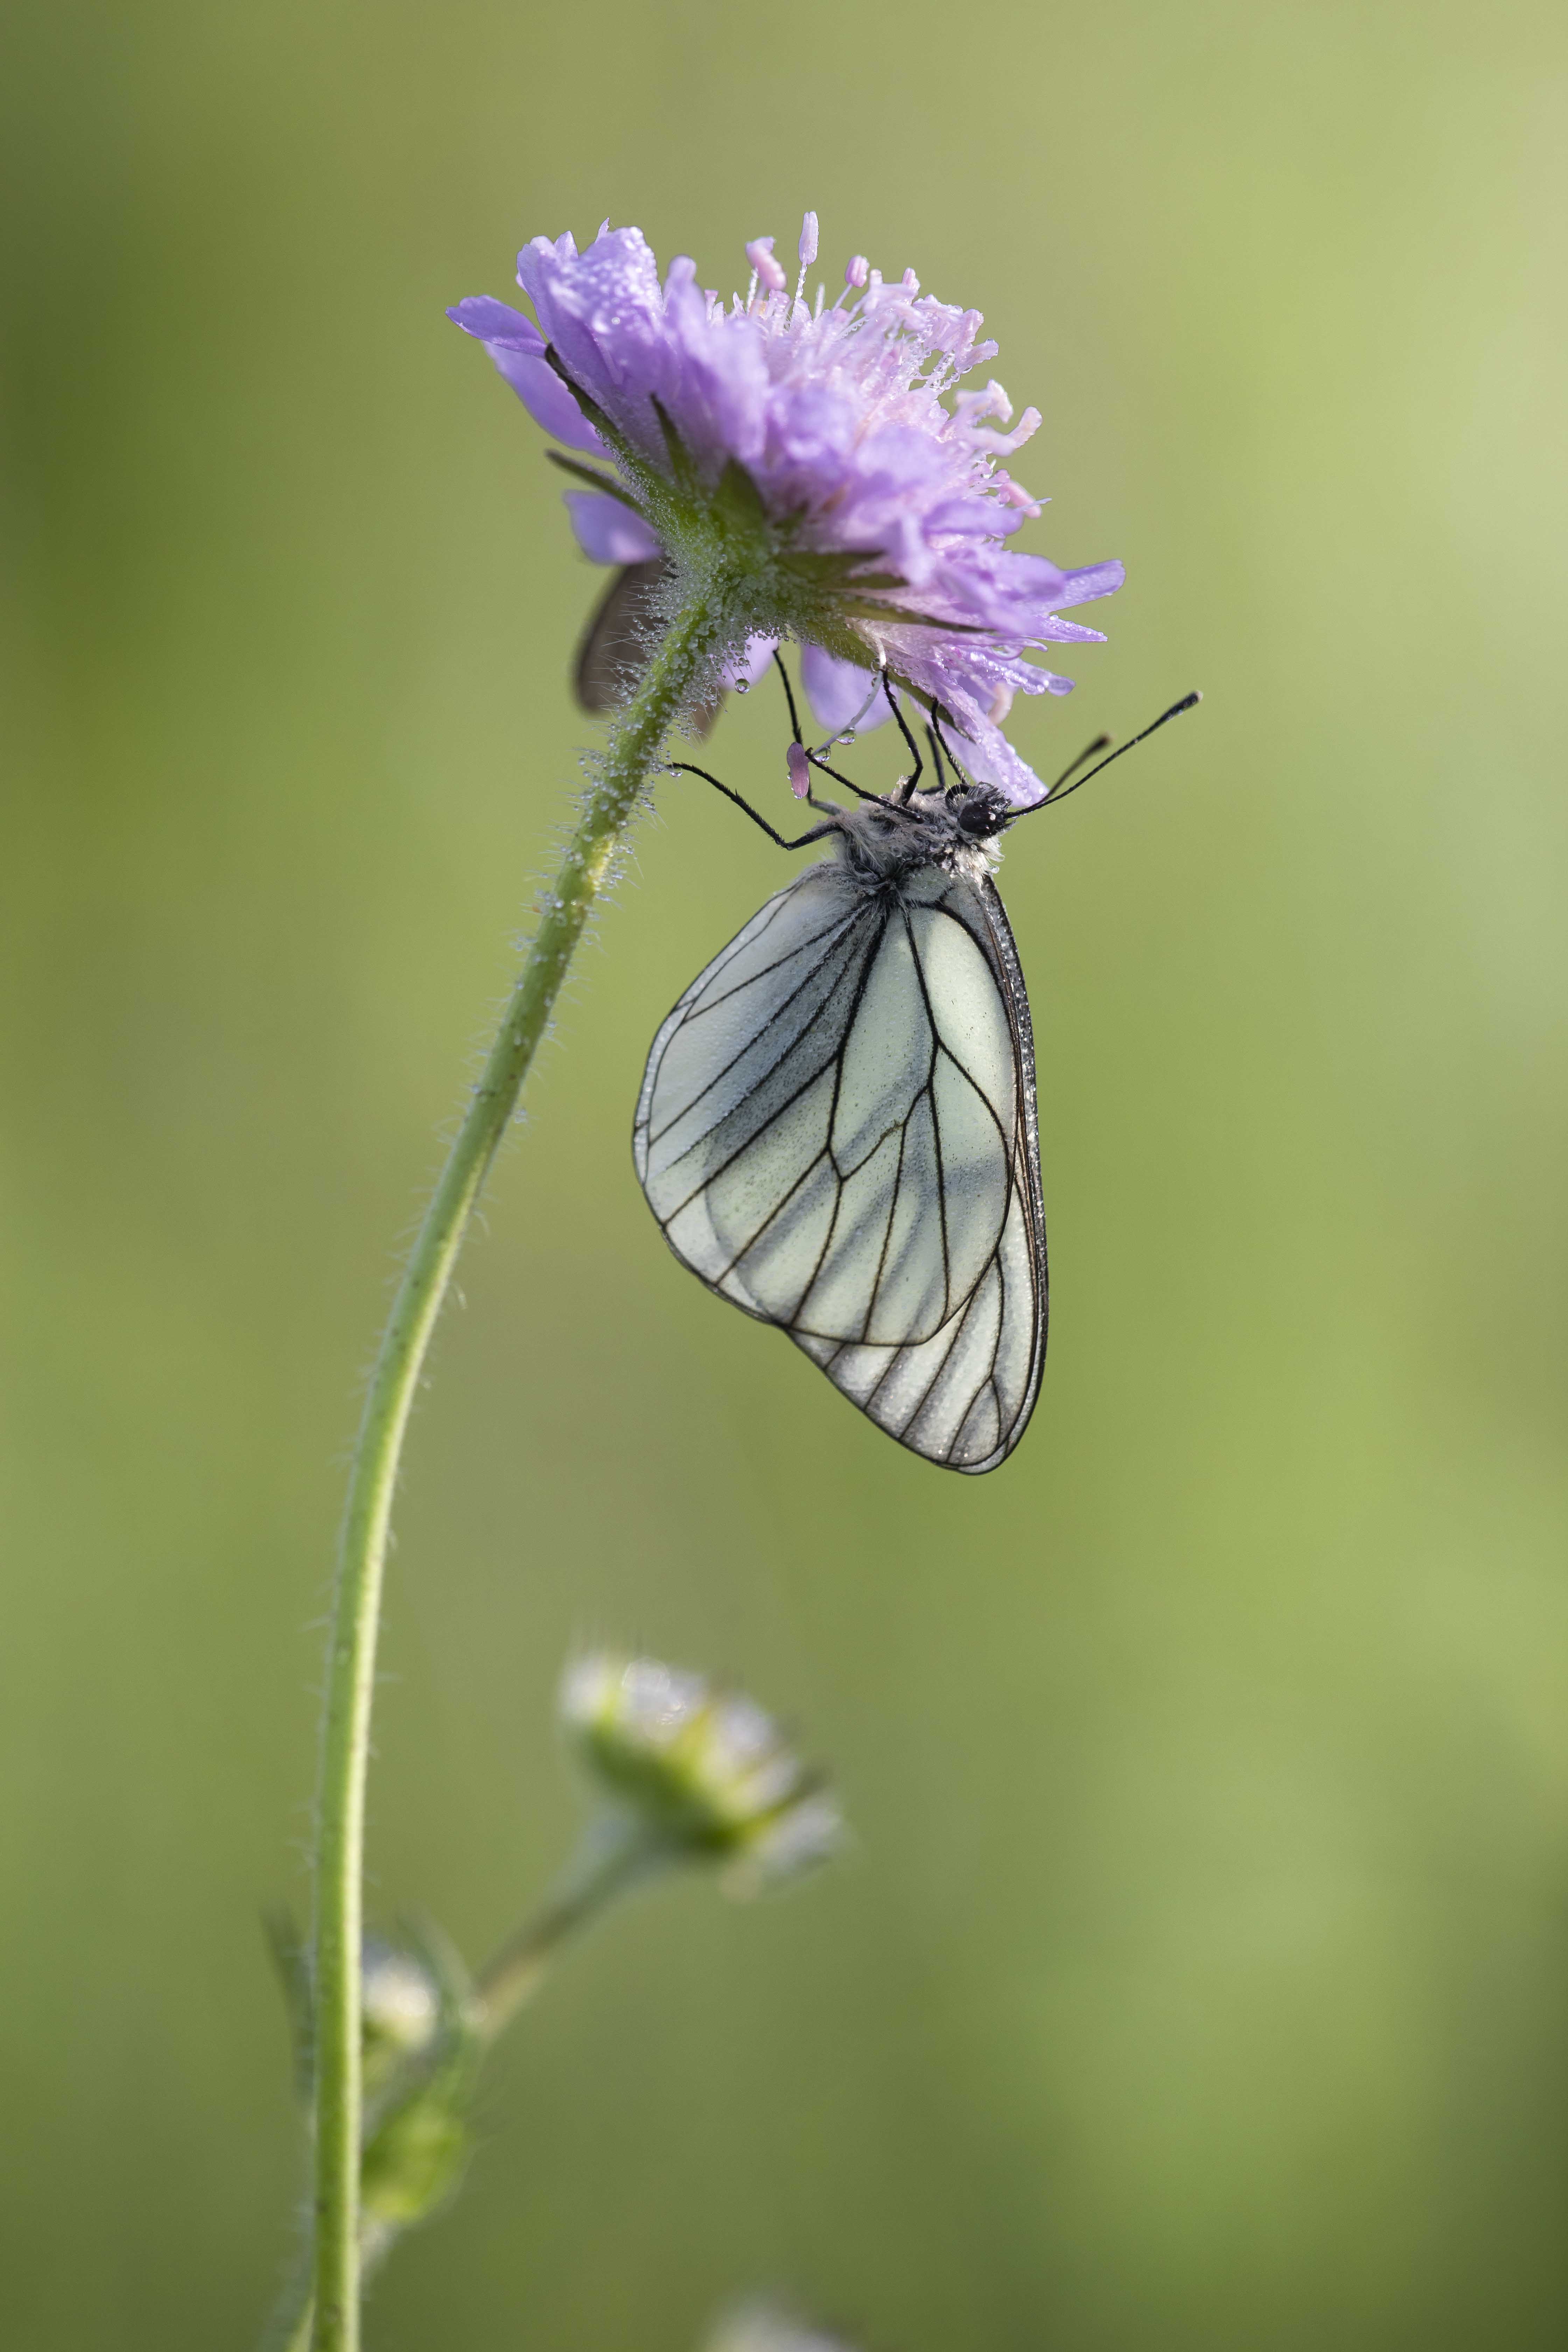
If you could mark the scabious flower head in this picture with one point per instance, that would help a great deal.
(704, 1771)
(811, 467)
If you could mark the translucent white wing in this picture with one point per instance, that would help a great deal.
(962, 1398)
(836, 1132)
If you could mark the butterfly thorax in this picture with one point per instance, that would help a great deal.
(883, 844)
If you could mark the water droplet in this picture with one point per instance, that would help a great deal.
(742, 686)
(848, 736)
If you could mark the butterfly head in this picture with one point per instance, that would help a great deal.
(883, 841)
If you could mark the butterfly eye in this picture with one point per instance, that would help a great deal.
(981, 816)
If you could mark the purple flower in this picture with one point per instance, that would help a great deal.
(811, 467)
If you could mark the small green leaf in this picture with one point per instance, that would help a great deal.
(291, 1960)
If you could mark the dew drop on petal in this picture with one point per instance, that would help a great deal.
(742, 686)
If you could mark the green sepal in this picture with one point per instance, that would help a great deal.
(742, 518)
(606, 482)
(589, 407)
(632, 459)
(838, 567)
(682, 465)
(864, 609)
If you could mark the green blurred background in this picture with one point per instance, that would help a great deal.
(1198, 1978)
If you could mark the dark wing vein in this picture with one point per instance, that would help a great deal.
(976, 1427)
(688, 1104)
(801, 1034)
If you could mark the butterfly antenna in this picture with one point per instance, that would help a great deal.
(1188, 702)
(1100, 743)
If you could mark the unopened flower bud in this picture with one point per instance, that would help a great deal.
(705, 1772)
(808, 241)
(764, 2328)
(419, 2060)
(858, 270)
(415, 2159)
(799, 768)
(400, 2001)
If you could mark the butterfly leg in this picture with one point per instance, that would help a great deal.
(816, 758)
(939, 711)
(817, 832)
(912, 779)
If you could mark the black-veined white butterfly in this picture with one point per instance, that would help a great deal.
(837, 1131)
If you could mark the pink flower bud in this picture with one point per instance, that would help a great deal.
(808, 241)
(859, 269)
(799, 768)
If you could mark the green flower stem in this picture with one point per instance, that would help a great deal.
(612, 1862)
(351, 1658)
(613, 1859)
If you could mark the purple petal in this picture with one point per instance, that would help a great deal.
(545, 398)
(1055, 632)
(1094, 579)
(837, 690)
(849, 422)
(517, 348)
(991, 759)
(751, 664)
(608, 531)
(490, 321)
(603, 310)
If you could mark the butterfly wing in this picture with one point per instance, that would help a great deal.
(614, 649)
(963, 1397)
(835, 1132)
(732, 1139)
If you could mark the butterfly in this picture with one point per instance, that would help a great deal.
(837, 1127)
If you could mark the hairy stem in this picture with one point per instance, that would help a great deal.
(613, 1859)
(351, 1657)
